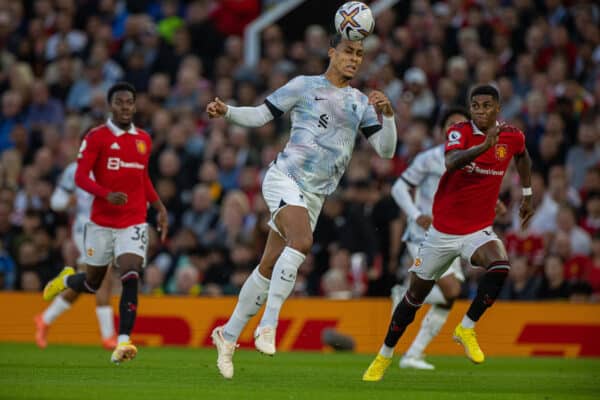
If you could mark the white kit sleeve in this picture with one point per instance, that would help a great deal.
(250, 117)
(384, 141)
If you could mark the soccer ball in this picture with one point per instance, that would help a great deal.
(354, 20)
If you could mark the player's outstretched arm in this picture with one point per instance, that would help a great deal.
(250, 117)
(384, 141)
(402, 197)
(523, 164)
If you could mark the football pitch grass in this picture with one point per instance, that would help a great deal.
(79, 372)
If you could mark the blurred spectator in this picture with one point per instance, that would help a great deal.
(553, 284)
(7, 269)
(521, 284)
(30, 281)
(186, 281)
(75, 40)
(12, 115)
(81, 93)
(580, 240)
(591, 219)
(43, 109)
(512, 103)
(153, 281)
(586, 154)
(418, 93)
(581, 292)
(203, 213)
(593, 276)
(336, 282)
(111, 70)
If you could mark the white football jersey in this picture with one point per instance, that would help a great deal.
(325, 121)
(424, 173)
(84, 199)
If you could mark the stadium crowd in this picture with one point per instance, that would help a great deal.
(58, 57)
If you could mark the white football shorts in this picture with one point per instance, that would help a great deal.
(439, 250)
(279, 190)
(102, 244)
(454, 269)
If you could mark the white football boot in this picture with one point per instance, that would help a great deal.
(264, 340)
(225, 350)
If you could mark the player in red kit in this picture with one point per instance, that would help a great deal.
(117, 155)
(477, 155)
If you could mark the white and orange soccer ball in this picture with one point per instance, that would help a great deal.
(354, 20)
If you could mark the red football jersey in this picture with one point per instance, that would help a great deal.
(118, 160)
(465, 200)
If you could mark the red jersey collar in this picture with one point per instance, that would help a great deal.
(476, 130)
(118, 131)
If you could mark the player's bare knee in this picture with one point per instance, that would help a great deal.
(451, 290)
(301, 243)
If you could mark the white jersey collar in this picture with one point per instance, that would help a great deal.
(118, 131)
(477, 131)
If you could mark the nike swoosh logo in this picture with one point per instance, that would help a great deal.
(287, 280)
(320, 98)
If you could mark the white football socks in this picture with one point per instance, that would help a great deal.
(282, 284)
(467, 322)
(252, 296)
(386, 351)
(105, 321)
(430, 327)
(55, 309)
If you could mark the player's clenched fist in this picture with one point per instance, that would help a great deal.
(424, 221)
(216, 108)
(117, 198)
(381, 103)
(492, 134)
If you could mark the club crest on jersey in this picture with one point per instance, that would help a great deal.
(417, 262)
(90, 252)
(501, 151)
(141, 147)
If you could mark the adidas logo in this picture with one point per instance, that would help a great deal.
(115, 146)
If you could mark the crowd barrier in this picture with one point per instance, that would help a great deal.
(508, 328)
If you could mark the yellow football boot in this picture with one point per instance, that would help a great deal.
(377, 368)
(468, 338)
(57, 285)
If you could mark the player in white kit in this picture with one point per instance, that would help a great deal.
(62, 199)
(326, 115)
(423, 175)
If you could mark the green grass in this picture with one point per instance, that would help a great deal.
(85, 373)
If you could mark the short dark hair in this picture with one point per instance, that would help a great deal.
(335, 40)
(488, 90)
(453, 111)
(118, 87)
